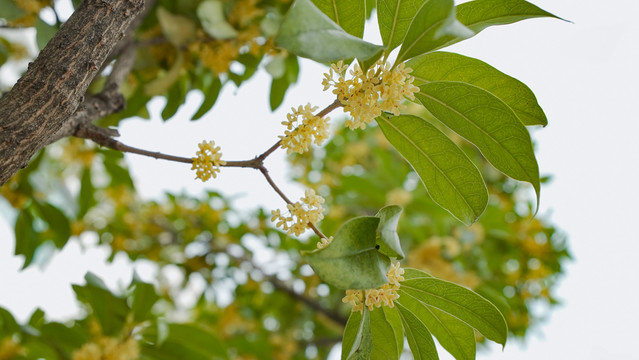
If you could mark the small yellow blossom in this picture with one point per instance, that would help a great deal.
(382, 296)
(366, 94)
(324, 242)
(108, 348)
(302, 129)
(208, 161)
(308, 210)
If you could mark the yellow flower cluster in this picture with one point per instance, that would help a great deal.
(372, 298)
(10, 349)
(208, 161)
(308, 210)
(108, 348)
(366, 94)
(302, 129)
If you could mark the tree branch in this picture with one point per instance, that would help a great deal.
(53, 87)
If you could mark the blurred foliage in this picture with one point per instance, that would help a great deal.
(252, 296)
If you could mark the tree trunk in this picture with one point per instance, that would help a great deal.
(55, 83)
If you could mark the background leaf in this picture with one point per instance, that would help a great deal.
(451, 179)
(459, 302)
(444, 66)
(307, 32)
(350, 15)
(487, 122)
(351, 260)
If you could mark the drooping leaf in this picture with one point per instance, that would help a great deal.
(307, 32)
(394, 18)
(388, 333)
(86, 198)
(459, 302)
(8, 324)
(487, 122)
(435, 19)
(387, 237)
(27, 240)
(178, 29)
(144, 297)
(280, 85)
(357, 340)
(211, 15)
(210, 97)
(351, 260)
(444, 66)
(175, 98)
(450, 178)
(350, 15)
(419, 339)
(453, 334)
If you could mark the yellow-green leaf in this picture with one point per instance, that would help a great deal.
(350, 15)
(394, 18)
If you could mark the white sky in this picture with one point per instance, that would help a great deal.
(585, 77)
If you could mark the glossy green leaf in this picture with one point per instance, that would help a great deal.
(453, 334)
(394, 18)
(307, 32)
(387, 237)
(459, 302)
(419, 338)
(44, 33)
(210, 98)
(27, 240)
(435, 19)
(452, 180)
(58, 223)
(487, 122)
(351, 260)
(86, 197)
(388, 333)
(357, 340)
(211, 15)
(350, 15)
(444, 66)
(480, 14)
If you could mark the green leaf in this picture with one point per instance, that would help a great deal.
(86, 197)
(351, 260)
(37, 319)
(185, 341)
(388, 333)
(161, 84)
(453, 334)
(110, 310)
(419, 339)
(44, 33)
(411, 273)
(27, 240)
(480, 14)
(58, 223)
(179, 30)
(175, 98)
(211, 15)
(144, 297)
(8, 324)
(444, 66)
(450, 178)
(358, 340)
(459, 302)
(394, 18)
(65, 338)
(309, 33)
(210, 97)
(10, 11)
(487, 122)
(350, 15)
(434, 20)
(387, 238)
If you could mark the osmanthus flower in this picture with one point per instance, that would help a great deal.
(108, 348)
(207, 161)
(366, 94)
(382, 296)
(303, 128)
(308, 210)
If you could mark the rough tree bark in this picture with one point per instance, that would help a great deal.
(54, 85)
